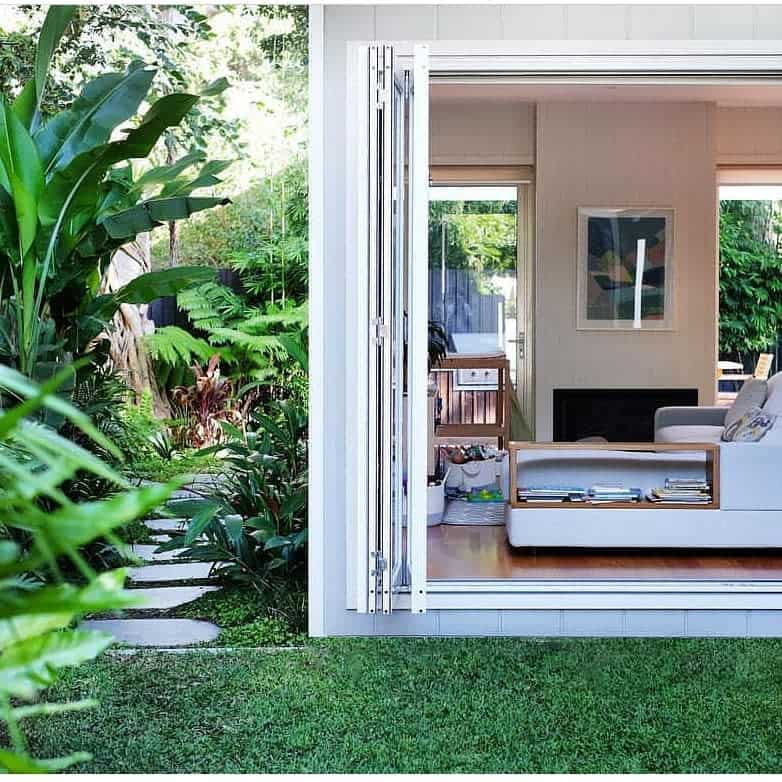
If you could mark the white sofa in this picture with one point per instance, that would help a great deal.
(750, 512)
(750, 473)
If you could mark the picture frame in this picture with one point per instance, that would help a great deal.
(611, 293)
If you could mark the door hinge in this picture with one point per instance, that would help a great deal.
(383, 97)
(378, 331)
(380, 563)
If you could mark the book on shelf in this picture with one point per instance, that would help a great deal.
(551, 494)
(603, 494)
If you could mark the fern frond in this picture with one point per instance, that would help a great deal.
(210, 305)
(267, 344)
(261, 321)
(172, 345)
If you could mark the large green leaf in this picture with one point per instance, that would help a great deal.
(20, 174)
(164, 113)
(31, 665)
(14, 381)
(24, 614)
(148, 287)
(103, 105)
(72, 526)
(163, 174)
(207, 177)
(27, 106)
(150, 214)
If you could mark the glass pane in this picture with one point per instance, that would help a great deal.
(472, 268)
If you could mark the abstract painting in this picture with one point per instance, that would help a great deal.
(625, 268)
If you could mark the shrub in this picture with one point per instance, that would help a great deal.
(254, 528)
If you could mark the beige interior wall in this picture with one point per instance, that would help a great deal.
(751, 135)
(482, 133)
(624, 155)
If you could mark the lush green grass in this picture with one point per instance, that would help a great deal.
(432, 705)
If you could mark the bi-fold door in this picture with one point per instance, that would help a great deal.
(392, 224)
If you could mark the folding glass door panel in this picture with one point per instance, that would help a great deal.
(391, 462)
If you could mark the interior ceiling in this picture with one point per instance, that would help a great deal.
(758, 94)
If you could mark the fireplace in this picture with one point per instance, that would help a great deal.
(617, 414)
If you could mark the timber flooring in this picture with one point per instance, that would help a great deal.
(467, 552)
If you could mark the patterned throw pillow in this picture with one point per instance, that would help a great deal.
(751, 397)
(750, 428)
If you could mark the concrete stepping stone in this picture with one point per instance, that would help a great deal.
(184, 571)
(158, 598)
(156, 632)
(150, 553)
(166, 525)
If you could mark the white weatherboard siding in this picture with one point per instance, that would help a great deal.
(332, 299)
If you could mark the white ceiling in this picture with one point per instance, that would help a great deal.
(758, 94)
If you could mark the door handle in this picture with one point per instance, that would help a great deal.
(520, 342)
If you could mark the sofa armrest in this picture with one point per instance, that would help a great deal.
(689, 416)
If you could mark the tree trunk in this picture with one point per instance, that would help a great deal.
(173, 231)
(131, 324)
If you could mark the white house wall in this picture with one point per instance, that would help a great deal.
(328, 552)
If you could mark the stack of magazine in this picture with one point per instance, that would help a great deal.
(551, 494)
(685, 491)
(601, 494)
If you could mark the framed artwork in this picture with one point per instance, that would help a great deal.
(625, 269)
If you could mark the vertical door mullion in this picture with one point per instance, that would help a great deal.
(386, 302)
(374, 463)
(418, 306)
(398, 576)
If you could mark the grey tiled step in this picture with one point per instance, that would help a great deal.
(179, 571)
(170, 596)
(150, 553)
(156, 632)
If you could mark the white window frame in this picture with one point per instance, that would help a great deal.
(631, 62)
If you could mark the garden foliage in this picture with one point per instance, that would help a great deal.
(69, 199)
(42, 532)
(750, 277)
(253, 528)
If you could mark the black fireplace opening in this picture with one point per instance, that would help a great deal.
(620, 415)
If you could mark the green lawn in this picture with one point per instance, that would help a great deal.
(432, 705)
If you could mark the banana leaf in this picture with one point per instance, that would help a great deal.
(27, 105)
(150, 214)
(148, 287)
(207, 177)
(103, 105)
(20, 174)
(162, 174)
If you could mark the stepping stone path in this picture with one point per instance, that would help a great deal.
(165, 632)
(165, 582)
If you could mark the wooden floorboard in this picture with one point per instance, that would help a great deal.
(473, 552)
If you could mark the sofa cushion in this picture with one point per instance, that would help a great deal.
(773, 404)
(753, 394)
(689, 434)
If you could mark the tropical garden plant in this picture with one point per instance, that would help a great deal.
(69, 198)
(254, 527)
(41, 534)
(750, 277)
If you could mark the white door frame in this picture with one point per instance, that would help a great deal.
(631, 62)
